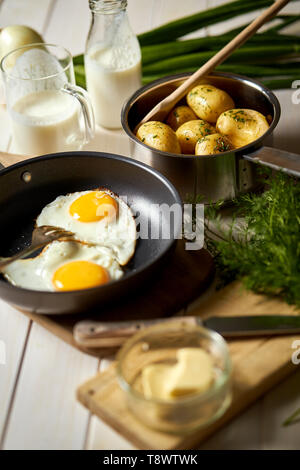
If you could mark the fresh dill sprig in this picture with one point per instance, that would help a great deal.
(265, 251)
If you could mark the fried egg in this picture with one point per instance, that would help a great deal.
(65, 266)
(97, 217)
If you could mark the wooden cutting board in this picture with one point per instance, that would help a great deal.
(258, 365)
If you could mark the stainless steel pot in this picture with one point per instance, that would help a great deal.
(220, 176)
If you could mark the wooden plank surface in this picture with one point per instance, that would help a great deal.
(70, 35)
(14, 328)
(45, 413)
(261, 426)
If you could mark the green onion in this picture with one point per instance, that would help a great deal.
(188, 24)
(273, 80)
(80, 75)
(78, 59)
(243, 69)
(279, 83)
(156, 53)
(286, 21)
(245, 53)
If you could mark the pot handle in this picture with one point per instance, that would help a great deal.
(277, 159)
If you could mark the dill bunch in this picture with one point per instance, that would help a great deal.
(264, 253)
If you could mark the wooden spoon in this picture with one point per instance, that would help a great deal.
(162, 109)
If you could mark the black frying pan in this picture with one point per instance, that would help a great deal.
(25, 188)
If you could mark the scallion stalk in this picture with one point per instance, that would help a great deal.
(279, 83)
(246, 69)
(245, 53)
(188, 24)
(155, 53)
(286, 21)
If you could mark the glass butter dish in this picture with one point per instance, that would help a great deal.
(159, 348)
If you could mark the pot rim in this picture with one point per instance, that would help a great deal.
(171, 78)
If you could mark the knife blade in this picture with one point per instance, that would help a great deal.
(95, 334)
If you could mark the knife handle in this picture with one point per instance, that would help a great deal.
(94, 334)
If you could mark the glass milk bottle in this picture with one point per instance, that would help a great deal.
(112, 61)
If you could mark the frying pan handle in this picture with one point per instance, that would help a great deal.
(277, 159)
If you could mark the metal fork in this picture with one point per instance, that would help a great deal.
(41, 236)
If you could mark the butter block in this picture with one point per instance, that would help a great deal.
(192, 373)
(154, 380)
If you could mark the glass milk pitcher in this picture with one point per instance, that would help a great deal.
(112, 61)
(49, 113)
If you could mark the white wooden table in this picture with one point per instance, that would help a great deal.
(38, 409)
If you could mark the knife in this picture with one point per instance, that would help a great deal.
(94, 334)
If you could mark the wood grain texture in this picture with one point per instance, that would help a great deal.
(101, 436)
(258, 364)
(68, 25)
(51, 417)
(242, 433)
(232, 23)
(260, 426)
(169, 10)
(278, 405)
(8, 159)
(13, 330)
(30, 13)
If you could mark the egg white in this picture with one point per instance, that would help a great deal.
(37, 273)
(119, 235)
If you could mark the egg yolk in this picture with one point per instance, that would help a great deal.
(79, 275)
(94, 206)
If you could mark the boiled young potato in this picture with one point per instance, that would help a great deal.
(211, 144)
(159, 136)
(208, 102)
(242, 126)
(179, 115)
(190, 132)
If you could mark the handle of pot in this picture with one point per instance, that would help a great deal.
(277, 160)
